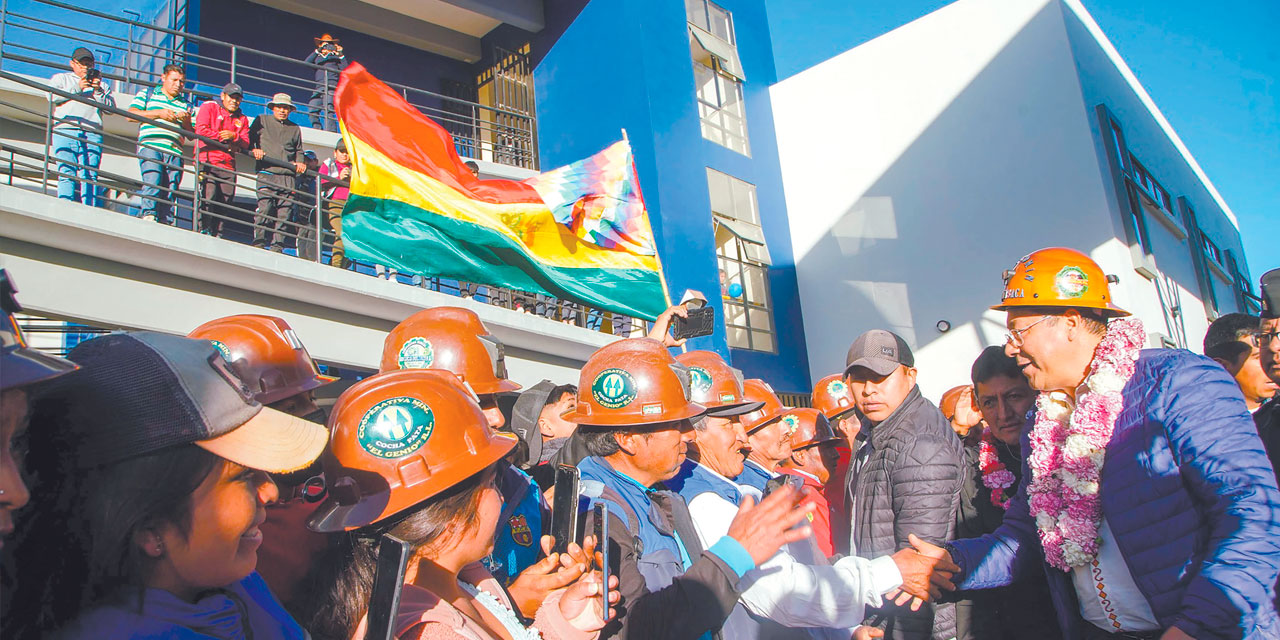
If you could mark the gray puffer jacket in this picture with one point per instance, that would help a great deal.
(910, 483)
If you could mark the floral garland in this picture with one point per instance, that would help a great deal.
(995, 476)
(1068, 446)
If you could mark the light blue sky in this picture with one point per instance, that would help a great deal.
(1212, 68)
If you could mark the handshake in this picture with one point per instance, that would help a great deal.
(926, 571)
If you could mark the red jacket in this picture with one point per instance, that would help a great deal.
(213, 118)
(821, 522)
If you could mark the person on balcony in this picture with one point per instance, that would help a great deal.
(277, 146)
(160, 147)
(335, 196)
(222, 120)
(332, 60)
(77, 127)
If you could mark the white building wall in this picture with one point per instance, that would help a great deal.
(942, 152)
(920, 165)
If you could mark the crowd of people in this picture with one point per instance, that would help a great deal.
(1078, 486)
(285, 173)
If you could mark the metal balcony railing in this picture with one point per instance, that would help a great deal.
(132, 54)
(28, 160)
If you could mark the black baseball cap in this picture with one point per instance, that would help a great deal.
(341, 146)
(880, 351)
(81, 53)
(142, 392)
(232, 89)
(1270, 286)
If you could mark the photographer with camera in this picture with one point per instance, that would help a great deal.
(77, 127)
(333, 59)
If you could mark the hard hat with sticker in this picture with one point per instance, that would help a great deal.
(416, 353)
(222, 348)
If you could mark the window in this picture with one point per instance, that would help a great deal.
(709, 17)
(1150, 187)
(1213, 253)
(744, 260)
(720, 109)
(718, 75)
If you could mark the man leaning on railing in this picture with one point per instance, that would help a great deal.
(77, 129)
(160, 149)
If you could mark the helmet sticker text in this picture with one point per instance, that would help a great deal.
(395, 427)
(613, 388)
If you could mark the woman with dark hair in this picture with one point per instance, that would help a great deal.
(412, 456)
(151, 470)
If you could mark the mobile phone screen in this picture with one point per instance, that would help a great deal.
(601, 532)
(564, 508)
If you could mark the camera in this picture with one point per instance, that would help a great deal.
(92, 74)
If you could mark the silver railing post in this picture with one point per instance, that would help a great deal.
(4, 19)
(233, 64)
(319, 225)
(196, 192)
(48, 147)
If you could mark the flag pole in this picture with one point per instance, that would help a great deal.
(657, 255)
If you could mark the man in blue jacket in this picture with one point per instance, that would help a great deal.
(1147, 494)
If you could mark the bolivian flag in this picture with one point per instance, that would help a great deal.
(579, 232)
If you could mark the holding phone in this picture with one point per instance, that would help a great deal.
(600, 513)
(564, 508)
(783, 479)
(701, 322)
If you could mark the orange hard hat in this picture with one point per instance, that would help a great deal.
(399, 438)
(808, 428)
(1058, 277)
(266, 354)
(453, 339)
(715, 385)
(833, 397)
(633, 382)
(757, 390)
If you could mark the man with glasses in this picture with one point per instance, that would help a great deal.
(77, 127)
(1147, 495)
(1267, 417)
(1232, 340)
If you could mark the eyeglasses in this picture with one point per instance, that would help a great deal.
(1262, 339)
(1014, 337)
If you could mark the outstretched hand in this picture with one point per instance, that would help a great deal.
(661, 330)
(555, 571)
(764, 528)
(926, 569)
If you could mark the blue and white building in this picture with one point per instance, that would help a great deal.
(885, 187)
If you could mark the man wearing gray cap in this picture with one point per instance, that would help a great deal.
(77, 128)
(223, 121)
(1267, 417)
(909, 482)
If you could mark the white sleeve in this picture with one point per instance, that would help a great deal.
(799, 595)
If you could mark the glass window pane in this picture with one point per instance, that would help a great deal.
(755, 286)
(735, 315)
(761, 341)
(720, 186)
(744, 202)
(696, 11)
(759, 319)
(721, 22)
(737, 338)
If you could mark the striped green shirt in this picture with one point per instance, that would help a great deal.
(151, 135)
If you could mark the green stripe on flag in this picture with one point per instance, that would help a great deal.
(413, 240)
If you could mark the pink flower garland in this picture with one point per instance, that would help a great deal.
(1068, 446)
(995, 476)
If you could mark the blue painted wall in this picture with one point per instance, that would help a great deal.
(625, 64)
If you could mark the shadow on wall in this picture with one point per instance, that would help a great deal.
(1007, 167)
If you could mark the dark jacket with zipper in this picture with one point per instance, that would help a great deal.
(910, 483)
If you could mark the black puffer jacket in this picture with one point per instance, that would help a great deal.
(910, 483)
